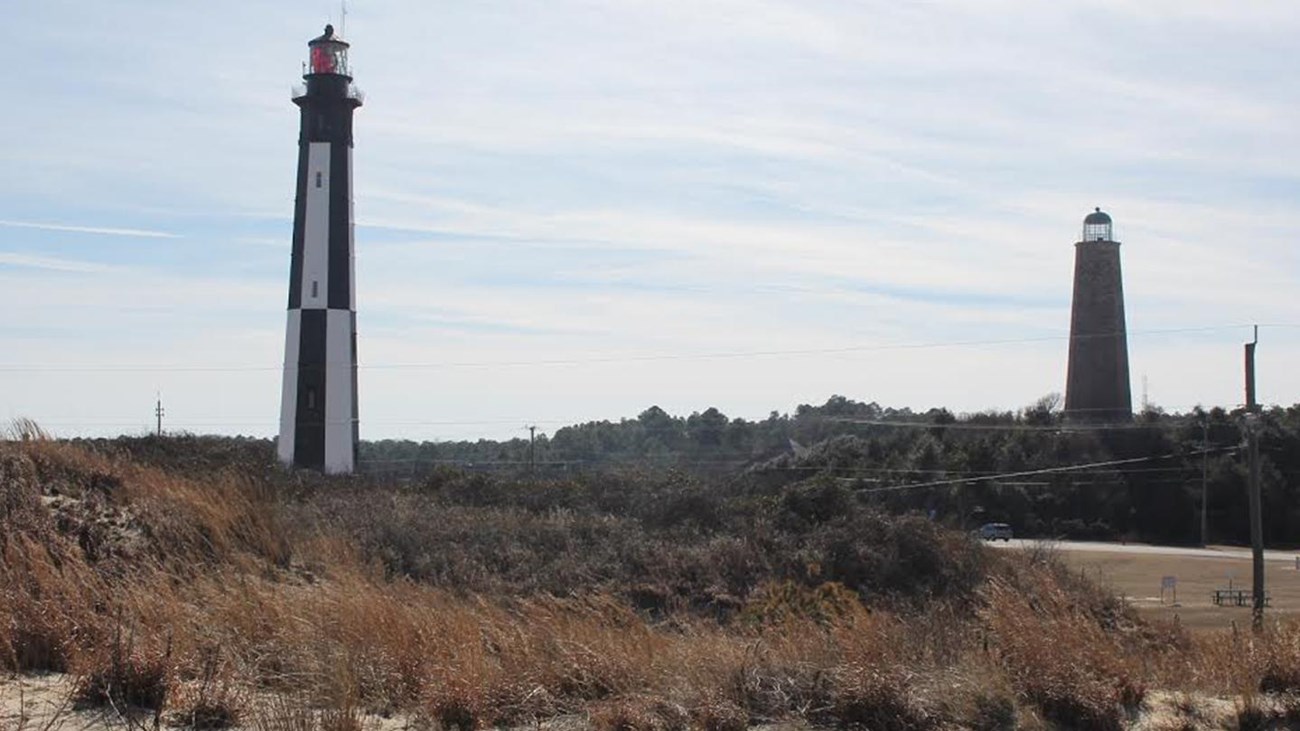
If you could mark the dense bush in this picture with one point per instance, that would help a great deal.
(664, 542)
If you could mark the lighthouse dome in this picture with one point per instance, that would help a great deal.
(1097, 226)
(328, 36)
(1097, 216)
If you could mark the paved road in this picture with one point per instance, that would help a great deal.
(1230, 552)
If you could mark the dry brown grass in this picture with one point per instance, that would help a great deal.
(124, 676)
(1060, 653)
(191, 595)
(1238, 663)
(475, 663)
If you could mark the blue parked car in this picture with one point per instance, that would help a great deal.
(995, 532)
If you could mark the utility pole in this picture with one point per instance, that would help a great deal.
(158, 412)
(1253, 426)
(1205, 491)
(532, 450)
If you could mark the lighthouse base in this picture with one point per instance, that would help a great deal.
(318, 407)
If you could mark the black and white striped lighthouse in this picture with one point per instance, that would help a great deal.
(318, 405)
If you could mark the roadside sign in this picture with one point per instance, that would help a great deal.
(1170, 584)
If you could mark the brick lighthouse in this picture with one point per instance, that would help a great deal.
(1097, 381)
(318, 403)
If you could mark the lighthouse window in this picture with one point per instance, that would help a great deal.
(329, 58)
(321, 61)
(313, 288)
(319, 177)
(311, 398)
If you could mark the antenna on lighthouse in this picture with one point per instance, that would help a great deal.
(343, 19)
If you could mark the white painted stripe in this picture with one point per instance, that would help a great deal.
(352, 241)
(338, 391)
(316, 229)
(289, 388)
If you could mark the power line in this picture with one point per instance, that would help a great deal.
(967, 426)
(599, 359)
(985, 474)
(979, 474)
(268, 423)
(1044, 471)
(958, 426)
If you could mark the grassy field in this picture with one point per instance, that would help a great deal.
(1137, 578)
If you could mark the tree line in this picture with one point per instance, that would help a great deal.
(962, 470)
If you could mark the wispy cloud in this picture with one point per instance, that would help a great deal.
(263, 241)
(53, 264)
(97, 230)
(678, 176)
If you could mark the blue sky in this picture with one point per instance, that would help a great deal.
(573, 210)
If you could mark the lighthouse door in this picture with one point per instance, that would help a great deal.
(309, 437)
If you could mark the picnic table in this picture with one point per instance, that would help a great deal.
(1235, 597)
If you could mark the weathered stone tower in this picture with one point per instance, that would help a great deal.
(1097, 381)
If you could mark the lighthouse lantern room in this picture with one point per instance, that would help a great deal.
(329, 54)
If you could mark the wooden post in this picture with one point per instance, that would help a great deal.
(1253, 427)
